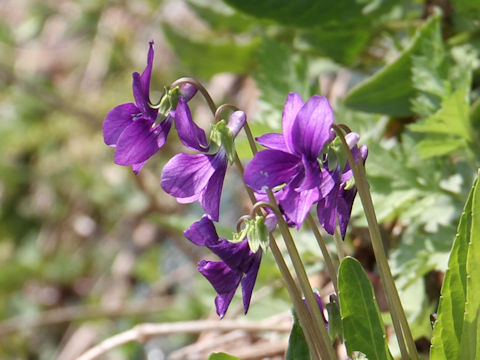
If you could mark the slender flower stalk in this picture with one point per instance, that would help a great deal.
(319, 328)
(199, 87)
(332, 271)
(317, 348)
(339, 244)
(399, 318)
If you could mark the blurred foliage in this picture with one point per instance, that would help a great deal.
(78, 230)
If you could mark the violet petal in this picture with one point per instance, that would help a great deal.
(136, 143)
(311, 128)
(189, 133)
(186, 175)
(270, 168)
(117, 120)
(142, 98)
(202, 233)
(248, 282)
(210, 198)
(273, 141)
(293, 104)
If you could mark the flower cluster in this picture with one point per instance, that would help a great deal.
(296, 166)
(297, 161)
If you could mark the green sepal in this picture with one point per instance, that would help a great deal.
(335, 327)
(336, 154)
(168, 102)
(350, 184)
(221, 136)
(256, 232)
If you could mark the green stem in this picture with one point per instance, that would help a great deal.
(399, 318)
(339, 244)
(319, 345)
(200, 87)
(318, 322)
(293, 291)
(332, 271)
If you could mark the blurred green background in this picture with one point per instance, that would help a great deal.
(87, 249)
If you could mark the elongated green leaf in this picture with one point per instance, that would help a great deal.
(390, 90)
(448, 329)
(362, 324)
(470, 344)
(210, 56)
(297, 345)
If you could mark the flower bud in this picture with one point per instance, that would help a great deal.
(352, 139)
(187, 91)
(236, 122)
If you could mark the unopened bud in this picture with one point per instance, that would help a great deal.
(352, 139)
(236, 122)
(187, 91)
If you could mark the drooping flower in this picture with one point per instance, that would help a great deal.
(238, 265)
(130, 127)
(291, 158)
(133, 130)
(337, 205)
(199, 177)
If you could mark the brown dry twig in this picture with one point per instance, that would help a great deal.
(144, 332)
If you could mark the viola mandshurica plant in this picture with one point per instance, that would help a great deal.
(312, 163)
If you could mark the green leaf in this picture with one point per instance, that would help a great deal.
(280, 72)
(335, 327)
(304, 13)
(216, 55)
(455, 330)
(470, 8)
(342, 44)
(470, 344)
(221, 17)
(438, 146)
(222, 356)
(452, 119)
(297, 345)
(362, 323)
(390, 90)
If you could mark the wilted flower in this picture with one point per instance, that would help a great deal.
(291, 158)
(199, 177)
(239, 264)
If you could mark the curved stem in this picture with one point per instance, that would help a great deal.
(332, 271)
(200, 87)
(221, 109)
(399, 318)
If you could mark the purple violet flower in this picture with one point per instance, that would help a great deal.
(238, 265)
(130, 127)
(199, 177)
(339, 202)
(291, 158)
(132, 130)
